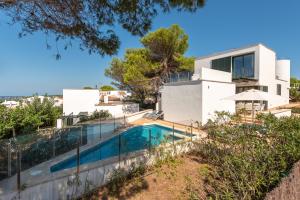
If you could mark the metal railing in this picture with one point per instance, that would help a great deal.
(295, 85)
(179, 77)
(27, 151)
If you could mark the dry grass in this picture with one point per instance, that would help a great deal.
(181, 178)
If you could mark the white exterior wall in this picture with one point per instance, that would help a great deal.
(285, 93)
(267, 63)
(120, 110)
(76, 101)
(283, 69)
(213, 94)
(214, 75)
(196, 100)
(269, 68)
(182, 102)
(265, 71)
(205, 62)
(266, 67)
(283, 77)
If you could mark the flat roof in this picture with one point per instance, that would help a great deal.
(194, 82)
(232, 50)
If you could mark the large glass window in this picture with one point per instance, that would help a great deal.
(222, 64)
(243, 66)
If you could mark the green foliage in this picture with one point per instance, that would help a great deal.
(119, 177)
(88, 88)
(107, 88)
(26, 119)
(103, 114)
(249, 161)
(294, 80)
(142, 71)
(91, 22)
(296, 110)
(191, 190)
(294, 92)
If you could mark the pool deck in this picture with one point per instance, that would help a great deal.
(41, 173)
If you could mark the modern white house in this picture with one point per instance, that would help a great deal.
(58, 101)
(76, 101)
(30, 99)
(220, 75)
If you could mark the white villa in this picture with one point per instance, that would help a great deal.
(224, 74)
(58, 101)
(76, 101)
(10, 104)
(30, 99)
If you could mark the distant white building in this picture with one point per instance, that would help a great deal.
(30, 99)
(10, 104)
(221, 75)
(58, 101)
(113, 95)
(77, 101)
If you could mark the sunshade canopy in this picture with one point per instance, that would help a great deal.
(252, 95)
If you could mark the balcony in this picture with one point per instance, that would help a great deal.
(179, 77)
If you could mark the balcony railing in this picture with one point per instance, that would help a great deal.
(295, 85)
(179, 77)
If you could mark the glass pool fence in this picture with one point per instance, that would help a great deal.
(28, 151)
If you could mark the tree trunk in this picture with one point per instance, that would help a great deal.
(14, 132)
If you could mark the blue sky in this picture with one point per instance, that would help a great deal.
(27, 67)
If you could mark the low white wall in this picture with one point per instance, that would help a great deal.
(120, 110)
(214, 75)
(136, 116)
(286, 113)
(59, 123)
(281, 113)
(76, 101)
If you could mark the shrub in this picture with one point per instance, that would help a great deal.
(296, 110)
(103, 114)
(119, 177)
(26, 119)
(249, 161)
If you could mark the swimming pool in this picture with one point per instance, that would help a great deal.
(133, 139)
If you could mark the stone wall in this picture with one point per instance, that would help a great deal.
(289, 188)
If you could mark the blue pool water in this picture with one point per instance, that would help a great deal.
(133, 139)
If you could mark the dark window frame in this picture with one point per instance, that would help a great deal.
(278, 89)
(221, 64)
(243, 57)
